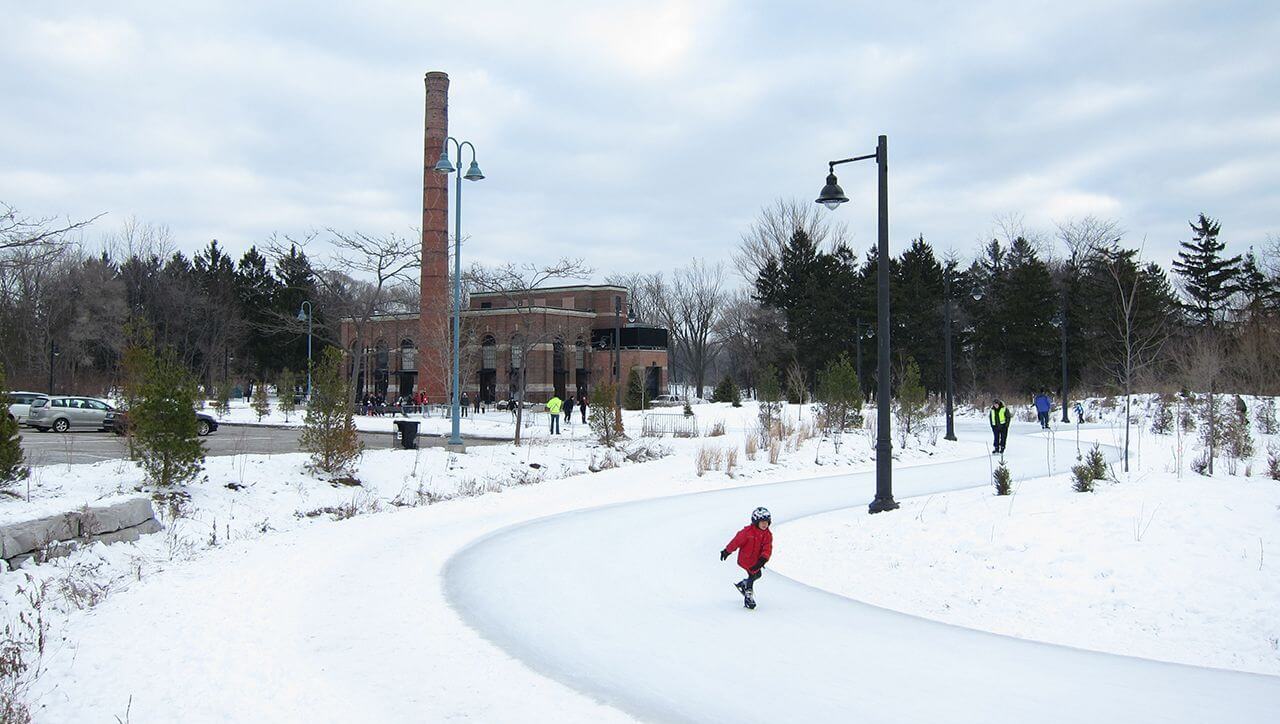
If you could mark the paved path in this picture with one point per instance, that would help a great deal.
(630, 605)
(48, 448)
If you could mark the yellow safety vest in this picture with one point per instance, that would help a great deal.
(1002, 413)
(554, 405)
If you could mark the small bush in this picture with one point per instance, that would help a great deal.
(633, 397)
(164, 421)
(1265, 416)
(1162, 418)
(710, 457)
(751, 446)
(1273, 461)
(717, 429)
(329, 433)
(261, 403)
(1082, 479)
(285, 388)
(775, 451)
(1236, 436)
(688, 409)
(600, 415)
(1200, 464)
(1097, 463)
(1003, 480)
(13, 465)
(727, 391)
(730, 461)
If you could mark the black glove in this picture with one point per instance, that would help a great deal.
(760, 563)
(724, 555)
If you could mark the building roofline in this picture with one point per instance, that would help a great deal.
(576, 288)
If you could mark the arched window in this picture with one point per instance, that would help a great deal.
(408, 355)
(380, 360)
(579, 354)
(516, 352)
(557, 356)
(489, 353)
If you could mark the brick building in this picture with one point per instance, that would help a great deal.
(562, 337)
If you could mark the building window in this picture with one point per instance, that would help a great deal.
(489, 354)
(381, 358)
(567, 302)
(516, 353)
(408, 355)
(579, 355)
(486, 305)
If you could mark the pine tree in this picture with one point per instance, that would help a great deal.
(12, 463)
(769, 394)
(285, 389)
(329, 432)
(634, 397)
(261, 402)
(1208, 278)
(840, 397)
(911, 401)
(917, 311)
(1028, 306)
(164, 421)
(600, 414)
(723, 391)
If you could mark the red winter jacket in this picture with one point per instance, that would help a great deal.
(752, 544)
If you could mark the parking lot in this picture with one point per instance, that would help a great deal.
(49, 448)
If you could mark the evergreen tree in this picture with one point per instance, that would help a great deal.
(769, 395)
(296, 284)
(329, 432)
(600, 416)
(12, 463)
(1209, 279)
(726, 391)
(634, 397)
(840, 397)
(261, 402)
(256, 290)
(1028, 306)
(911, 401)
(286, 386)
(164, 421)
(917, 311)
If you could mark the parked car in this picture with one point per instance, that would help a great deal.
(667, 401)
(20, 404)
(62, 413)
(205, 424)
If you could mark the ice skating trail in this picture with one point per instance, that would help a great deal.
(631, 605)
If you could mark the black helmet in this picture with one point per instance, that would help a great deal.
(760, 514)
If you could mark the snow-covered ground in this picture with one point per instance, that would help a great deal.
(261, 600)
(1181, 568)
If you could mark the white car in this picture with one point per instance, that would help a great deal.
(20, 404)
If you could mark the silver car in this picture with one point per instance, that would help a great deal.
(20, 404)
(64, 413)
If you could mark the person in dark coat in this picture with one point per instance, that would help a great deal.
(998, 416)
(582, 405)
(568, 409)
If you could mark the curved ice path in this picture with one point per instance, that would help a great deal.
(630, 604)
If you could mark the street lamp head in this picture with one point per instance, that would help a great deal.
(473, 173)
(832, 195)
(444, 165)
(977, 295)
(302, 314)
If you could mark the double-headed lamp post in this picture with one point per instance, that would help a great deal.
(472, 174)
(832, 196)
(307, 312)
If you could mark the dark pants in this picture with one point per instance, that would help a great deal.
(749, 582)
(555, 424)
(462, 409)
(584, 413)
(1044, 418)
(1001, 433)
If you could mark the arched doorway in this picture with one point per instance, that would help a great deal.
(408, 374)
(559, 370)
(488, 369)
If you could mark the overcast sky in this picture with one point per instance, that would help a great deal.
(641, 134)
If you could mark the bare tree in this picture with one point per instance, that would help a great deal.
(688, 307)
(769, 234)
(1201, 361)
(641, 289)
(1140, 333)
(535, 326)
(368, 276)
(1084, 236)
(37, 238)
(750, 334)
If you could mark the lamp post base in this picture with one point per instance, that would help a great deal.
(880, 505)
(952, 438)
(455, 447)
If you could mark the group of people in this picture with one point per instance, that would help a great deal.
(556, 405)
(999, 417)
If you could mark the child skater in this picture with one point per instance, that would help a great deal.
(754, 544)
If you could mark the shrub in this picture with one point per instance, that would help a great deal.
(1162, 418)
(329, 431)
(717, 429)
(726, 391)
(751, 446)
(709, 457)
(600, 415)
(840, 398)
(222, 399)
(285, 387)
(1273, 461)
(911, 399)
(1082, 479)
(261, 403)
(1002, 479)
(1236, 437)
(164, 421)
(1097, 463)
(634, 397)
(688, 408)
(13, 465)
(1200, 463)
(775, 451)
(1265, 416)
(770, 396)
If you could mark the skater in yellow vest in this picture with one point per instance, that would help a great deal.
(553, 409)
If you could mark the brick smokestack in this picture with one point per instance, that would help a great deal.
(434, 340)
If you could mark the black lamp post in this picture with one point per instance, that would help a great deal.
(946, 337)
(1064, 359)
(53, 353)
(832, 196)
